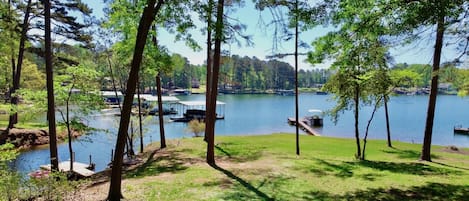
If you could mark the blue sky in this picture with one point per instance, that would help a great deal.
(420, 52)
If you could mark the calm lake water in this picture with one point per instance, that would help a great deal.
(265, 114)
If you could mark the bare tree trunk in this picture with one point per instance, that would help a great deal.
(50, 89)
(140, 126)
(388, 129)
(356, 111)
(160, 111)
(427, 140)
(159, 93)
(368, 127)
(211, 112)
(146, 20)
(17, 73)
(69, 130)
(209, 65)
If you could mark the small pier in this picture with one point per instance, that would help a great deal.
(79, 168)
(303, 125)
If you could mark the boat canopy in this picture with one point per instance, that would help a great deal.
(110, 93)
(198, 103)
(315, 111)
(151, 98)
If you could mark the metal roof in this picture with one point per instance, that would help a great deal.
(198, 103)
(110, 93)
(151, 98)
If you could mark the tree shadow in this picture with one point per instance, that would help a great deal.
(404, 168)
(248, 186)
(429, 192)
(407, 154)
(238, 152)
(343, 170)
(169, 161)
(451, 166)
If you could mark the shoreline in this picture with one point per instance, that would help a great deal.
(29, 138)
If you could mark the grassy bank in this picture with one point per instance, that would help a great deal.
(266, 168)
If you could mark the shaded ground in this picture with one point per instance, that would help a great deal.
(265, 168)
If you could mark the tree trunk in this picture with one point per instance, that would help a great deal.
(386, 111)
(17, 72)
(357, 132)
(427, 140)
(209, 65)
(113, 79)
(159, 93)
(160, 112)
(140, 126)
(69, 132)
(211, 112)
(368, 128)
(50, 89)
(146, 20)
(297, 125)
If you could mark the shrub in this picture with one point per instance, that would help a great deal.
(196, 127)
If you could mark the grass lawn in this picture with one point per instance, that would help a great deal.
(265, 167)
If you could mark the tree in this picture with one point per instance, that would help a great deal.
(358, 51)
(149, 13)
(212, 87)
(446, 16)
(65, 25)
(295, 9)
(17, 69)
(79, 88)
(50, 89)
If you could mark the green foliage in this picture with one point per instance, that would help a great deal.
(405, 78)
(9, 179)
(47, 185)
(31, 77)
(196, 127)
(359, 54)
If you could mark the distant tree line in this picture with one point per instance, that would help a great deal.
(243, 73)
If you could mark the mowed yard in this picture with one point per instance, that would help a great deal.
(265, 167)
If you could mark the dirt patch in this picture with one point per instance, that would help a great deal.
(454, 149)
(28, 138)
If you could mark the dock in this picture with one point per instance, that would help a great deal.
(79, 168)
(303, 125)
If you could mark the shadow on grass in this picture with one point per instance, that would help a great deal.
(342, 170)
(451, 166)
(404, 168)
(239, 152)
(240, 195)
(407, 154)
(429, 192)
(169, 161)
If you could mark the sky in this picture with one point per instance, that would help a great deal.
(421, 52)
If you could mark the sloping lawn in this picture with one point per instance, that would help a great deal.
(265, 167)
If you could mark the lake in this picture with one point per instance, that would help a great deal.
(266, 114)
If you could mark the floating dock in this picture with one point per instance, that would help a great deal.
(79, 168)
(303, 125)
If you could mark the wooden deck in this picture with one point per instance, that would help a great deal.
(78, 168)
(303, 125)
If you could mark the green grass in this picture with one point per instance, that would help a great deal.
(266, 168)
